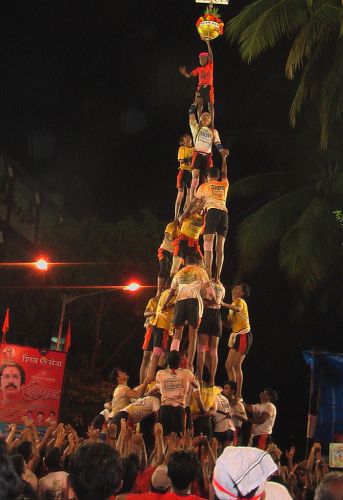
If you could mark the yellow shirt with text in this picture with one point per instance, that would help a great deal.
(192, 226)
(214, 193)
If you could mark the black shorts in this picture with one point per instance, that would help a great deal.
(184, 246)
(206, 93)
(172, 419)
(165, 260)
(184, 179)
(241, 342)
(160, 337)
(217, 221)
(186, 310)
(202, 162)
(203, 425)
(189, 423)
(211, 322)
(222, 437)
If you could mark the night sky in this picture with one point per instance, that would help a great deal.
(93, 105)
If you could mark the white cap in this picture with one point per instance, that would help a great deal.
(240, 470)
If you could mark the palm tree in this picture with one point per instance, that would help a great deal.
(315, 28)
(290, 211)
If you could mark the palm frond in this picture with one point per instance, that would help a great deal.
(331, 96)
(336, 188)
(310, 248)
(262, 230)
(311, 33)
(261, 25)
(266, 184)
(309, 84)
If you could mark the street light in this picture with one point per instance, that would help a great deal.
(42, 265)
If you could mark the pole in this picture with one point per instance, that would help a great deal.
(60, 326)
(310, 416)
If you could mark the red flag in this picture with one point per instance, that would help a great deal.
(68, 339)
(6, 323)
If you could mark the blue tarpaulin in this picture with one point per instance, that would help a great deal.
(327, 393)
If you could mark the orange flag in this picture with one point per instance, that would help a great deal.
(6, 323)
(68, 339)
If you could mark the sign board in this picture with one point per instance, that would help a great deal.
(214, 2)
(336, 455)
(31, 383)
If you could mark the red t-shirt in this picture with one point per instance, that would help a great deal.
(205, 74)
(142, 483)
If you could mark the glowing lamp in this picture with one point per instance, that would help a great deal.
(132, 287)
(42, 265)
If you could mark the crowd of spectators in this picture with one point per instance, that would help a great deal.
(122, 465)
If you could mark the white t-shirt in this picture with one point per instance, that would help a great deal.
(222, 423)
(267, 426)
(142, 407)
(203, 138)
(174, 385)
(218, 291)
(53, 486)
(120, 399)
(238, 408)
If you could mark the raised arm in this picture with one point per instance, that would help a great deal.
(210, 52)
(184, 72)
(225, 153)
(195, 205)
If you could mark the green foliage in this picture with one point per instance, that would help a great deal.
(83, 397)
(315, 29)
(290, 215)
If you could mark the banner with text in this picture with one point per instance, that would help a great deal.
(31, 383)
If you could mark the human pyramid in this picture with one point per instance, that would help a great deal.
(189, 297)
(193, 295)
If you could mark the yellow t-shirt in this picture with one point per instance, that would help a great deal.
(184, 156)
(192, 226)
(151, 307)
(172, 231)
(239, 320)
(208, 396)
(164, 319)
(215, 194)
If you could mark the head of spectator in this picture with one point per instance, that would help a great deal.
(174, 360)
(25, 449)
(53, 460)
(95, 471)
(230, 388)
(269, 395)
(130, 471)
(12, 380)
(183, 467)
(331, 487)
(10, 484)
(242, 472)
(118, 376)
(160, 481)
(18, 463)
